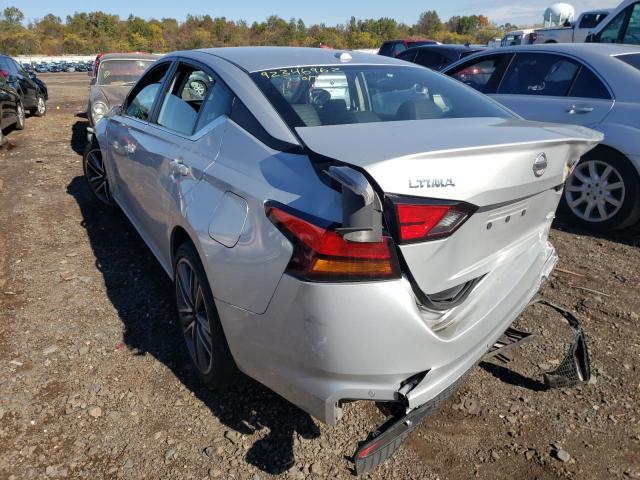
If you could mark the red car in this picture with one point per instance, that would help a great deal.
(391, 48)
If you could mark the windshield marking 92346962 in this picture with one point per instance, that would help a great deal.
(311, 96)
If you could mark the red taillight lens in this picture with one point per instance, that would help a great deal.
(4, 74)
(419, 222)
(322, 254)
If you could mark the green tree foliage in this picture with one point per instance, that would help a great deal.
(91, 32)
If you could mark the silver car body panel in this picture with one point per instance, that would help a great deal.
(320, 343)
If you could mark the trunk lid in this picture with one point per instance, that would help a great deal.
(487, 162)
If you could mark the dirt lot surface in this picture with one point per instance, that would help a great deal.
(95, 383)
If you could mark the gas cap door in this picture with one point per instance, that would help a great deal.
(229, 219)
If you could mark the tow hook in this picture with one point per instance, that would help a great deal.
(574, 369)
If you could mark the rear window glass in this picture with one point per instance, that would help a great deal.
(632, 59)
(323, 95)
(591, 20)
(121, 72)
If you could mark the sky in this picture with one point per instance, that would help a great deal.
(330, 12)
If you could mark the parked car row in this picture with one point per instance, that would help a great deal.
(20, 92)
(57, 67)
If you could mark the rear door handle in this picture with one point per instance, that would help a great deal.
(573, 110)
(178, 168)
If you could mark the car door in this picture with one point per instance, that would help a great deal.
(179, 144)
(548, 87)
(127, 144)
(27, 86)
(7, 104)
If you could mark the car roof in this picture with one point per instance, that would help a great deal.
(132, 55)
(254, 59)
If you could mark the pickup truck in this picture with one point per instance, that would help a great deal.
(575, 33)
(621, 26)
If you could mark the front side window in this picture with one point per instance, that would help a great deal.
(121, 72)
(632, 34)
(611, 32)
(338, 95)
(141, 99)
(538, 74)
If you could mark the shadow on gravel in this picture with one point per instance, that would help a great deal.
(143, 296)
(79, 136)
(629, 236)
(511, 377)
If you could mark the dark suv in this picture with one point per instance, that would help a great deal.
(33, 92)
(391, 48)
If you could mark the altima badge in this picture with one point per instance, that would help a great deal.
(431, 183)
(540, 165)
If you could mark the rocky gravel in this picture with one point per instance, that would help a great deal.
(95, 383)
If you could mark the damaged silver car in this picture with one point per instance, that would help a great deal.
(339, 226)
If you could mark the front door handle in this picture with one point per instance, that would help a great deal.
(178, 168)
(574, 109)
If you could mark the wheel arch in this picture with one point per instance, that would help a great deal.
(610, 149)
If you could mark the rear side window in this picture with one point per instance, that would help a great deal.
(481, 74)
(632, 59)
(398, 47)
(218, 103)
(431, 59)
(591, 20)
(386, 49)
(587, 85)
(407, 55)
(538, 74)
(141, 99)
(184, 98)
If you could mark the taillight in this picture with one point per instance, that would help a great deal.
(4, 74)
(320, 254)
(419, 220)
(533, 36)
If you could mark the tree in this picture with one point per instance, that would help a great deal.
(429, 23)
(12, 16)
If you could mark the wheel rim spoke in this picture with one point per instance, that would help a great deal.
(193, 316)
(595, 197)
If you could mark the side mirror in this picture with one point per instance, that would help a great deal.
(117, 110)
(591, 38)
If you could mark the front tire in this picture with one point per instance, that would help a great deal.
(603, 192)
(199, 321)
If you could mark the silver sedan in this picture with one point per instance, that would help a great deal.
(338, 225)
(595, 85)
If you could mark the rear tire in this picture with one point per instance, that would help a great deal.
(603, 192)
(199, 321)
(96, 174)
(41, 107)
(20, 120)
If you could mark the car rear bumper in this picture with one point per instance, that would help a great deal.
(319, 344)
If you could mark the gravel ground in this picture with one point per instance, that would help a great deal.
(94, 381)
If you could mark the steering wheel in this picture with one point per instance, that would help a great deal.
(319, 97)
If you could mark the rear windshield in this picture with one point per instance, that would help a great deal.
(121, 72)
(320, 95)
(632, 59)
